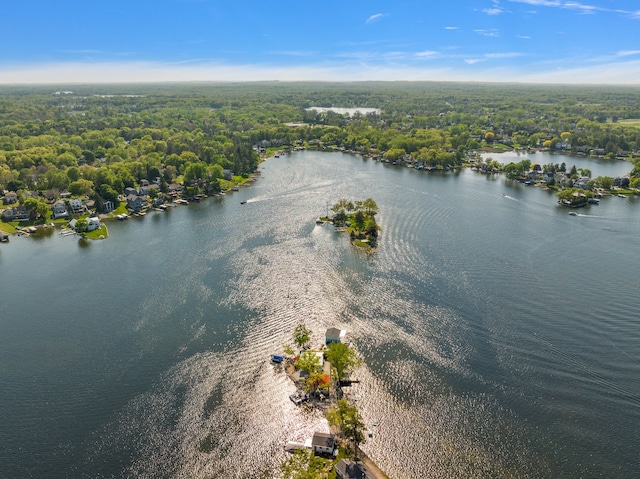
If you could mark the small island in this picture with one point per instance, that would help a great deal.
(358, 219)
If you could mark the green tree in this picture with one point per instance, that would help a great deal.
(359, 220)
(370, 206)
(573, 173)
(37, 208)
(512, 171)
(394, 154)
(73, 173)
(605, 182)
(81, 187)
(346, 417)
(343, 359)
(309, 362)
(15, 185)
(303, 464)
(82, 225)
(109, 194)
(66, 159)
(301, 335)
(194, 172)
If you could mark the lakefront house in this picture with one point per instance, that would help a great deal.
(59, 210)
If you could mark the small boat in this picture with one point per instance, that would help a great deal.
(234, 188)
(573, 213)
(620, 195)
(276, 358)
(243, 202)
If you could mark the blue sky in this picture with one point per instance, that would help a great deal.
(540, 41)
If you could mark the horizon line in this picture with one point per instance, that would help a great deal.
(623, 73)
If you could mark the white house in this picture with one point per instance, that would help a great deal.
(322, 443)
(93, 223)
(334, 335)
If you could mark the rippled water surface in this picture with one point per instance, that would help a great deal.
(500, 335)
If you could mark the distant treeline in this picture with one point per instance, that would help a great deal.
(51, 138)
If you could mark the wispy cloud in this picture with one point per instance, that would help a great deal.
(524, 37)
(105, 53)
(503, 55)
(426, 54)
(492, 56)
(581, 7)
(617, 56)
(375, 18)
(293, 53)
(627, 53)
(495, 10)
(451, 28)
(488, 33)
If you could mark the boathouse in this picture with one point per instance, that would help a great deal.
(334, 335)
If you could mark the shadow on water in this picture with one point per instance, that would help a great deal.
(84, 242)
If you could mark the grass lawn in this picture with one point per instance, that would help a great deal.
(100, 233)
(9, 228)
(121, 209)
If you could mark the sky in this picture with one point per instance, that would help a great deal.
(531, 41)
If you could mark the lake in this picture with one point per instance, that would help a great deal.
(500, 335)
(598, 166)
(344, 111)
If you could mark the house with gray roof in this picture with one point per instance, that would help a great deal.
(323, 442)
(135, 202)
(348, 469)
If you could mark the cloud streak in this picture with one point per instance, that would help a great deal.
(488, 33)
(581, 7)
(495, 10)
(375, 18)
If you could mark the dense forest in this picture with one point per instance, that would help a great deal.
(97, 140)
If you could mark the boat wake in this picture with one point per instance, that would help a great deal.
(510, 197)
